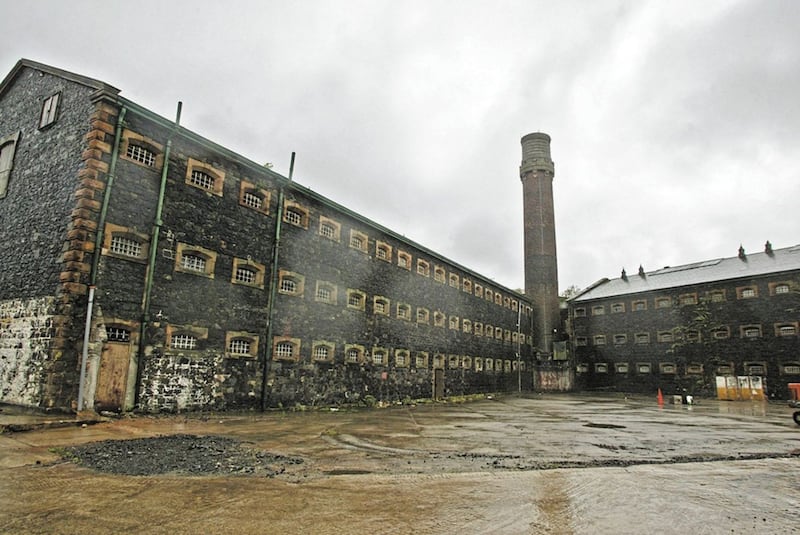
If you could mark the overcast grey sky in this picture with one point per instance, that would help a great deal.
(675, 125)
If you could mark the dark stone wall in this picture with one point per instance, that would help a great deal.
(765, 310)
(35, 212)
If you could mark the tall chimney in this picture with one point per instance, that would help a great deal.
(541, 268)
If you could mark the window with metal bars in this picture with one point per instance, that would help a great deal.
(183, 341)
(193, 262)
(239, 346)
(284, 349)
(288, 286)
(321, 352)
(125, 246)
(252, 200)
(118, 334)
(202, 179)
(141, 154)
(245, 275)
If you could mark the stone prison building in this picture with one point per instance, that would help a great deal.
(146, 267)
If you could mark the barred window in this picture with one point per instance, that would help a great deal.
(252, 200)
(193, 263)
(379, 357)
(141, 154)
(284, 349)
(321, 352)
(782, 289)
(125, 246)
(118, 334)
(183, 341)
(355, 300)
(239, 346)
(202, 179)
(293, 217)
(245, 275)
(288, 285)
(353, 355)
(327, 230)
(356, 242)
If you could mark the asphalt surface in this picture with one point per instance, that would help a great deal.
(544, 464)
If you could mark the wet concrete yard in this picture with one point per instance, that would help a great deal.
(545, 464)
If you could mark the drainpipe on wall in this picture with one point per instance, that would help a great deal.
(151, 262)
(273, 284)
(98, 245)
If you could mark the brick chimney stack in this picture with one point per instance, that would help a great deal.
(541, 268)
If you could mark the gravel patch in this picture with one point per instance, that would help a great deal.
(179, 454)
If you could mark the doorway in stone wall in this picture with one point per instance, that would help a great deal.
(438, 383)
(112, 377)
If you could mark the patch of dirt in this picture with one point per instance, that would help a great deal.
(179, 454)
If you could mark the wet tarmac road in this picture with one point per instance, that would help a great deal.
(496, 466)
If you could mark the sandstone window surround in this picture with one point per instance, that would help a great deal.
(466, 286)
(421, 360)
(466, 362)
(185, 337)
(356, 299)
(291, 283)
(694, 368)
(478, 290)
(453, 322)
(453, 362)
(506, 335)
(487, 293)
(380, 357)
(598, 310)
(514, 305)
(423, 315)
(581, 368)
(498, 299)
(639, 305)
(688, 299)
(621, 368)
(717, 296)
(600, 340)
(205, 177)
(724, 369)
(620, 339)
(423, 268)
(295, 214)
(644, 368)
(692, 335)
(50, 108)
(720, 333)
(358, 240)
(663, 302)
(750, 331)
(580, 312)
(438, 361)
(507, 302)
(381, 305)
(353, 354)
(8, 147)
(746, 292)
(241, 344)
(125, 243)
(383, 251)
(453, 280)
(195, 260)
(780, 288)
(248, 272)
(488, 365)
(404, 260)
(402, 358)
(755, 368)
(466, 326)
(439, 274)
(786, 329)
(617, 308)
(438, 319)
(641, 338)
(488, 331)
(790, 368)
(478, 364)
(477, 328)
(667, 368)
(141, 150)
(404, 311)
(330, 229)
(326, 292)
(254, 198)
(498, 333)
(322, 351)
(285, 348)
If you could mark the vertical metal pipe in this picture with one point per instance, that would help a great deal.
(86, 330)
(273, 285)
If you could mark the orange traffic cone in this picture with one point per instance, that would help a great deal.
(660, 397)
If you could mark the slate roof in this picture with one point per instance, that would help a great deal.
(719, 269)
(77, 78)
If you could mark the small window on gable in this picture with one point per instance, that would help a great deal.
(356, 299)
(195, 260)
(241, 344)
(383, 251)
(290, 283)
(247, 272)
(253, 197)
(295, 214)
(141, 150)
(358, 240)
(404, 260)
(49, 110)
(423, 268)
(453, 280)
(326, 293)
(439, 274)
(423, 315)
(330, 229)
(8, 146)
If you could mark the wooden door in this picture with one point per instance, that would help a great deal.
(438, 383)
(112, 376)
